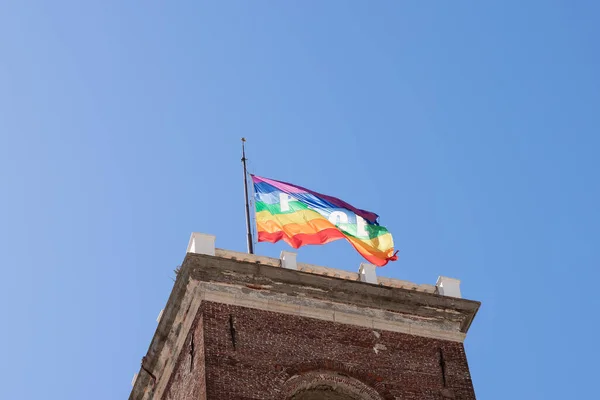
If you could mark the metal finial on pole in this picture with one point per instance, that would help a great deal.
(248, 228)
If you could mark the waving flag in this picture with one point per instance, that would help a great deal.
(300, 216)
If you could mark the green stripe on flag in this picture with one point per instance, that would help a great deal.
(275, 209)
(373, 231)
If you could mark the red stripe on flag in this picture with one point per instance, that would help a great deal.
(321, 237)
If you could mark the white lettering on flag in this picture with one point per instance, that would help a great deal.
(338, 217)
(361, 225)
(284, 201)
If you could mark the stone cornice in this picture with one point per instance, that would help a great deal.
(330, 289)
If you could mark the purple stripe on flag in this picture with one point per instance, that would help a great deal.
(291, 189)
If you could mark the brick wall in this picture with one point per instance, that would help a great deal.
(252, 354)
(187, 381)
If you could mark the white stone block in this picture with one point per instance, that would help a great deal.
(448, 286)
(288, 260)
(367, 273)
(201, 243)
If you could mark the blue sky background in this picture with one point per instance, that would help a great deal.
(472, 128)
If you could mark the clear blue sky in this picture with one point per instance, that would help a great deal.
(472, 128)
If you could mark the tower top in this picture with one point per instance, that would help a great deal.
(361, 300)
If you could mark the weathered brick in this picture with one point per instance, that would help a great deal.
(271, 348)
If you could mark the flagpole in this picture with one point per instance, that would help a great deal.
(248, 229)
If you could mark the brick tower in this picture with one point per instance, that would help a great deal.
(244, 327)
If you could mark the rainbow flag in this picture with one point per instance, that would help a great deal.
(300, 216)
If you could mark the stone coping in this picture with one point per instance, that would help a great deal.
(325, 271)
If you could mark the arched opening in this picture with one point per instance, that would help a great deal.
(322, 393)
(327, 385)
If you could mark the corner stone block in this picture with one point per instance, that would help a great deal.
(448, 287)
(288, 260)
(367, 273)
(201, 243)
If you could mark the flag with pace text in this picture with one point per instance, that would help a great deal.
(300, 216)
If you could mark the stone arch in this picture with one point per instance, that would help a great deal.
(355, 371)
(327, 385)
